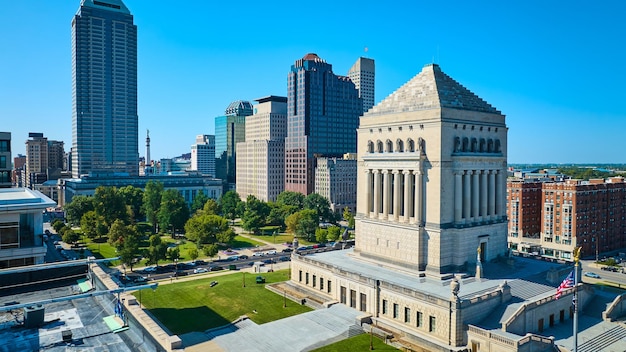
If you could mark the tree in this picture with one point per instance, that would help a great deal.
(321, 206)
(295, 199)
(349, 217)
(208, 229)
(276, 216)
(75, 209)
(133, 197)
(193, 253)
(210, 250)
(173, 254)
(88, 224)
(110, 205)
(152, 202)
(198, 202)
(156, 250)
(174, 211)
(211, 207)
(333, 233)
(230, 205)
(126, 240)
(292, 222)
(307, 224)
(57, 225)
(321, 235)
(254, 216)
(70, 236)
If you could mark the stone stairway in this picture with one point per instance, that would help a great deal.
(604, 340)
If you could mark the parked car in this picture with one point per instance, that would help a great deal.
(258, 254)
(243, 256)
(216, 268)
(269, 261)
(272, 252)
(592, 275)
(287, 250)
(200, 270)
(150, 269)
(200, 262)
(284, 259)
(181, 273)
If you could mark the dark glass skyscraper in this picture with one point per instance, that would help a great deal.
(230, 130)
(104, 89)
(323, 112)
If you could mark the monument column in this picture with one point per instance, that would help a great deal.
(418, 197)
(492, 194)
(376, 192)
(499, 195)
(475, 196)
(396, 194)
(467, 196)
(370, 191)
(385, 194)
(407, 194)
(458, 196)
(483, 195)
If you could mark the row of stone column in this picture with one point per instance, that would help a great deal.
(395, 194)
(478, 195)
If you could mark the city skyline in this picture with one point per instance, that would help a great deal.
(555, 77)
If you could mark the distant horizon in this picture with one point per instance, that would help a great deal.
(560, 104)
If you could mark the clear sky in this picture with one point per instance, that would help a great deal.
(556, 69)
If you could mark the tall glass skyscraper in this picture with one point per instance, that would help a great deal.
(104, 89)
(323, 112)
(230, 130)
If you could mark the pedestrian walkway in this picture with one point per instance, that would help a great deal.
(296, 333)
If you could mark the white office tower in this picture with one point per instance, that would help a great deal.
(260, 159)
(362, 74)
(203, 155)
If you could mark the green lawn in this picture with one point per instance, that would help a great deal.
(195, 306)
(357, 343)
(244, 242)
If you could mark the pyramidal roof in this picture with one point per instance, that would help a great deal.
(431, 89)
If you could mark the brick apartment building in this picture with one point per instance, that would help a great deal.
(552, 218)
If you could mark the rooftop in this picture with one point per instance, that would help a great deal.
(23, 198)
(431, 89)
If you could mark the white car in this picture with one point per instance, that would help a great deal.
(258, 254)
(150, 269)
(593, 275)
(270, 252)
(200, 270)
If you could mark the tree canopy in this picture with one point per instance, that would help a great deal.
(255, 215)
(133, 198)
(208, 229)
(110, 205)
(198, 202)
(75, 209)
(173, 212)
(230, 205)
(152, 202)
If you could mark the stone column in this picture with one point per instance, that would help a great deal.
(370, 193)
(418, 197)
(467, 196)
(483, 195)
(458, 196)
(499, 195)
(475, 196)
(377, 191)
(407, 194)
(386, 194)
(492, 194)
(396, 195)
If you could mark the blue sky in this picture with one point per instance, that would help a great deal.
(554, 68)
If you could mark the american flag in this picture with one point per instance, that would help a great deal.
(567, 283)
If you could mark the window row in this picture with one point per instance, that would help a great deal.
(399, 146)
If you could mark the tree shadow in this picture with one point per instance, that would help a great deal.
(184, 320)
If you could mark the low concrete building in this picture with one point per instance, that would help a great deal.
(21, 227)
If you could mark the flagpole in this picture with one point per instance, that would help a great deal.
(576, 264)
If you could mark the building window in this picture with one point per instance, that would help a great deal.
(342, 295)
(395, 311)
(9, 235)
(306, 278)
(363, 301)
(328, 286)
(418, 321)
(407, 314)
(384, 306)
(314, 280)
(352, 299)
(431, 324)
(300, 276)
(321, 283)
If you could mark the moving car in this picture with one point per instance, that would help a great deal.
(150, 269)
(593, 275)
(200, 270)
